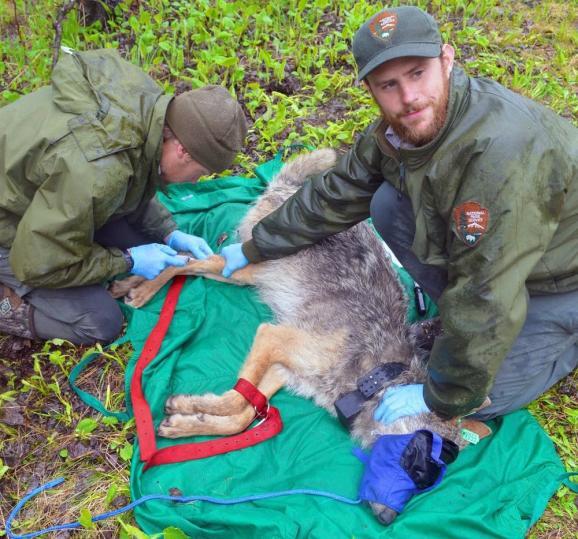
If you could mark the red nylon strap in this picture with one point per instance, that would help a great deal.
(253, 395)
(269, 427)
(142, 414)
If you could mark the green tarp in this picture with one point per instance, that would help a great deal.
(490, 491)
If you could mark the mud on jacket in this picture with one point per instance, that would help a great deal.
(73, 156)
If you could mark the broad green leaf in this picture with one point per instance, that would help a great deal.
(133, 532)
(109, 421)
(3, 468)
(174, 533)
(126, 451)
(86, 425)
(111, 494)
(85, 519)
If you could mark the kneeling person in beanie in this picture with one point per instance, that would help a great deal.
(80, 163)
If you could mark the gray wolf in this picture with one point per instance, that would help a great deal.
(340, 312)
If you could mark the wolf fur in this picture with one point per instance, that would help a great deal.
(340, 312)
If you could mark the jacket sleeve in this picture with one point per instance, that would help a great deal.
(485, 303)
(325, 205)
(53, 246)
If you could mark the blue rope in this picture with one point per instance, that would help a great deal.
(178, 499)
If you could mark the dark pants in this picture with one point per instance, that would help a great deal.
(546, 349)
(81, 314)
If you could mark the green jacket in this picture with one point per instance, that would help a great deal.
(495, 199)
(73, 156)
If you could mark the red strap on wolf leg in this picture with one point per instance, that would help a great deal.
(268, 428)
(253, 395)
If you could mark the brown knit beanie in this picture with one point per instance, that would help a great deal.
(210, 124)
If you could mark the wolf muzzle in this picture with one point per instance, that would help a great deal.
(402, 465)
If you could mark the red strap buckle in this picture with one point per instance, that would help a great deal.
(253, 396)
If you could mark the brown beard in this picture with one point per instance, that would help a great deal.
(420, 138)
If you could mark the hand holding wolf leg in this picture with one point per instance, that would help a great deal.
(235, 259)
(187, 242)
(150, 259)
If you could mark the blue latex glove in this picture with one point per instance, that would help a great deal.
(235, 259)
(150, 259)
(187, 242)
(400, 401)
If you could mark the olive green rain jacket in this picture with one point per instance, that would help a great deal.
(495, 198)
(73, 156)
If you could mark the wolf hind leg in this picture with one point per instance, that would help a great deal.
(277, 351)
(269, 347)
(179, 425)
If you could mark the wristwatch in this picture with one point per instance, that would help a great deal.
(128, 259)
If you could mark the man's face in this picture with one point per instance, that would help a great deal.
(412, 94)
(177, 166)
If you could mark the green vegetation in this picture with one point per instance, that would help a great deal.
(288, 62)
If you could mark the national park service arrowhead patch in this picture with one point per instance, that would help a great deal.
(471, 221)
(383, 25)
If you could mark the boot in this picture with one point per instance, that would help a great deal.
(16, 314)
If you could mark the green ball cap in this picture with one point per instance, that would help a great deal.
(210, 124)
(395, 33)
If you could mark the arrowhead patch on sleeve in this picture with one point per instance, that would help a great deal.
(471, 221)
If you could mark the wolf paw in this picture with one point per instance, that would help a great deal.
(141, 295)
(119, 289)
(172, 426)
(182, 404)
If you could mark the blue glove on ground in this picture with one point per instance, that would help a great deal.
(187, 242)
(400, 401)
(235, 259)
(150, 259)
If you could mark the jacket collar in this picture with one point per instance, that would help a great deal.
(153, 145)
(416, 157)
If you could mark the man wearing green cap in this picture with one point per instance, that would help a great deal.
(475, 189)
(80, 163)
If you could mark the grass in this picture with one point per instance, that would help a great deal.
(47, 432)
(289, 63)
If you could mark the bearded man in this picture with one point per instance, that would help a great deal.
(475, 189)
